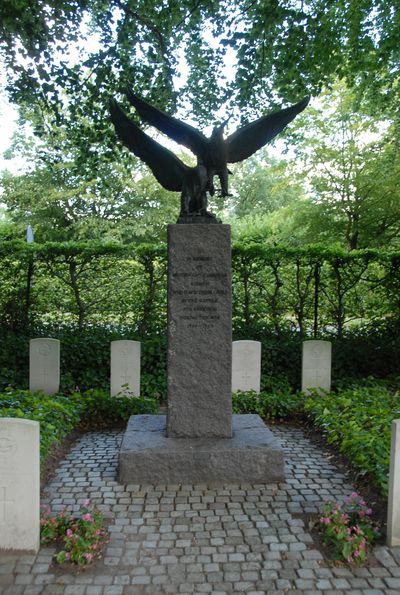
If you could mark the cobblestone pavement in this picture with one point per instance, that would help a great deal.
(198, 538)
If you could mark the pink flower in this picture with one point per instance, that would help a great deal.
(70, 533)
(94, 546)
(87, 517)
(88, 556)
(325, 520)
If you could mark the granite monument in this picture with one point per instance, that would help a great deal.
(199, 440)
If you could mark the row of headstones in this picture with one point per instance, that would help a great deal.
(44, 366)
(316, 365)
(20, 485)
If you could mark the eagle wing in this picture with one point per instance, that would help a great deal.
(166, 167)
(248, 139)
(182, 133)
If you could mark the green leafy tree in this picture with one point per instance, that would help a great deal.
(111, 206)
(280, 47)
(351, 162)
(263, 184)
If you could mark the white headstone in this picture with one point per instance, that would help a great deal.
(316, 366)
(19, 484)
(246, 365)
(29, 235)
(44, 365)
(393, 517)
(125, 367)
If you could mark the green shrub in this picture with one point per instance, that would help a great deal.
(358, 422)
(268, 405)
(57, 414)
(99, 409)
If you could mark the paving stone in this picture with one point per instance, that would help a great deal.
(200, 539)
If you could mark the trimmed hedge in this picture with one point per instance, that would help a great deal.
(315, 289)
(88, 293)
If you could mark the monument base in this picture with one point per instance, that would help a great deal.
(252, 455)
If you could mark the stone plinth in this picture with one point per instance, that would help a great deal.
(199, 331)
(316, 365)
(19, 484)
(252, 454)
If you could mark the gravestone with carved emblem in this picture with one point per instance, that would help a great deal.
(125, 368)
(19, 484)
(246, 366)
(316, 365)
(44, 365)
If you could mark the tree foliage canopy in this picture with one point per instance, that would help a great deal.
(66, 58)
(281, 48)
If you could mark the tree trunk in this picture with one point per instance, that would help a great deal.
(75, 288)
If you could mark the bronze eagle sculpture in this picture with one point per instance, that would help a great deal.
(213, 154)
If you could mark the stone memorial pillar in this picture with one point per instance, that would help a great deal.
(44, 365)
(125, 368)
(246, 366)
(393, 516)
(316, 365)
(199, 441)
(19, 484)
(199, 331)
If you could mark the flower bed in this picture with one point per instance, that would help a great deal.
(80, 539)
